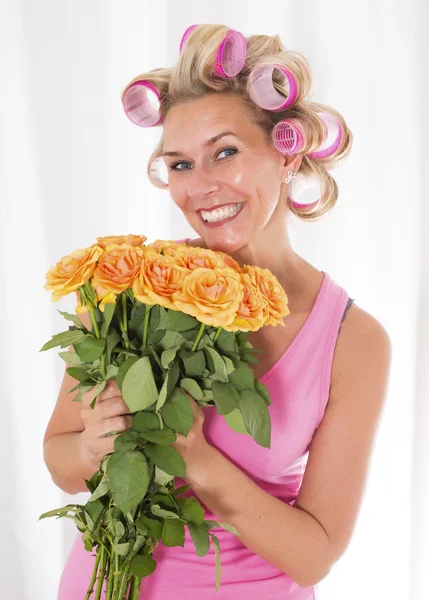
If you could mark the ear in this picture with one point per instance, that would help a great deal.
(291, 163)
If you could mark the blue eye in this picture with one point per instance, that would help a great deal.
(174, 165)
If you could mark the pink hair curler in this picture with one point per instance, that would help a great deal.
(262, 91)
(334, 136)
(159, 171)
(231, 54)
(141, 103)
(288, 136)
(304, 190)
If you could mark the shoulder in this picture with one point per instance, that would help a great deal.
(363, 349)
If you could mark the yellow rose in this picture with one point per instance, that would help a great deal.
(271, 290)
(213, 297)
(159, 279)
(195, 258)
(130, 239)
(72, 271)
(118, 266)
(251, 314)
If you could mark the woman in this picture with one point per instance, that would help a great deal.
(296, 503)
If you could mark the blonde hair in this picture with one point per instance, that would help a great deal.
(192, 78)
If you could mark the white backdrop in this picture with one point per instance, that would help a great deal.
(73, 167)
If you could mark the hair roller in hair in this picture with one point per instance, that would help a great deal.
(158, 170)
(304, 190)
(288, 136)
(141, 102)
(231, 54)
(261, 88)
(333, 136)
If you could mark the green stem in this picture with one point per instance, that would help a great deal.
(219, 329)
(155, 355)
(109, 581)
(124, 584)
(116, 578)
(94, 575)
(97, 334)
(135, 588)
(200, 333)
(146, 326)
(101, 573)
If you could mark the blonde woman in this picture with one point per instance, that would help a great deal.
(232, 172)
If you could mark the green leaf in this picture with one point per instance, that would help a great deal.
(191, 510)
(173, 533)
(96, 391)
(226, 341)
(149, 526)
(243, 378)
(216, 364)
(180, 490)
(94, 509)
(263, 391)
(164, 437)
(138, 387)
(127, 440)
(177, 413)
(169, 384)
(171, 339)
(112, 341)
(229, 364)
(230, 528)
(225, 397)
(128, 479)
(200, 538)
(256, 417)
(100, 491)
(78, 373)
(235, 421)
(145, 421)
(109, 311)
(155, 337)
(168, 356)
(173, 320)
(193, 362)
(142, 565)
(64, 339)
(123, 370)
(121, 549)
(161, 477)
(192, 388)
(75, 319)
(161, 512)
(166, 458)
(71, 358)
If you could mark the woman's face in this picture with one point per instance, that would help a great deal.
(238, 171)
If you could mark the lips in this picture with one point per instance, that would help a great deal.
(221, 221)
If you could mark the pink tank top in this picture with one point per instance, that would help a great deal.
(298, 384)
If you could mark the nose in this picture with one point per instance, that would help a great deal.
(201, 182)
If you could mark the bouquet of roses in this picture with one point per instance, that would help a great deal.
(169, 322)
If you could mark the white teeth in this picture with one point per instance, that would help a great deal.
(220, 213)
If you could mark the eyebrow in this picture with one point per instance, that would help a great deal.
(208, 142)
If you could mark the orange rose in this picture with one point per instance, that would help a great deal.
(72, 271)
(251, 314)
(195, 258)
(229, 261)
(271, 290)
(118, 266)
(213, 297)
(131, 240)
(159, 279)
(169, 247)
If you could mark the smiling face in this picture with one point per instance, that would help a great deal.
(240, 171)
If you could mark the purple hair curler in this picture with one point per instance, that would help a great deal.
(334, 136)
(186, 35)
(288, 136)
(262, 91)
(141, 103)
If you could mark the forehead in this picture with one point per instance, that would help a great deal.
(204, 116)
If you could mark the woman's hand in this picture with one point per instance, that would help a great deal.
(110, 413)
(194, 449)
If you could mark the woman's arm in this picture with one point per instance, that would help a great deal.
(306, 539)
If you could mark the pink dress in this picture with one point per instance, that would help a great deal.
(298, 384)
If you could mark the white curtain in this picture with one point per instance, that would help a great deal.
(73, 167)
